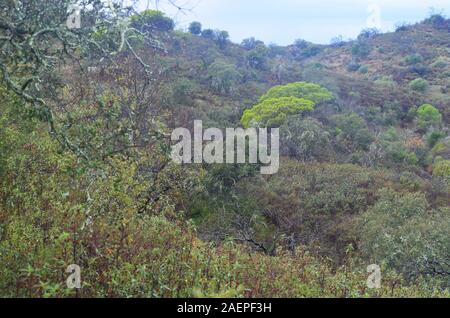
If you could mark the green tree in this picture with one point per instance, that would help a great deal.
(222, 37)
(283, 101)
(309, 91)
(195, 28)
(305, 139)
(413, 59)
(251, 43)
(208, 34)
(152, 20)
(181, 91)
(442, 169)
(352, 131)
(36, 41)
(257, 57)
(361, 49)
(318, 207)
(223, 77)
(300, 44)
(419, 85)
(403, 233)
(428, 116)
(274, 112)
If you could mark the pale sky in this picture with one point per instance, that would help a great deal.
(284, 21)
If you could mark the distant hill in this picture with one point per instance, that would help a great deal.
(220, 80)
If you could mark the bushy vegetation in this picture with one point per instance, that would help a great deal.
(402, 232)
(419, 85)
(86, 176)
(151, 20)
(428, 116)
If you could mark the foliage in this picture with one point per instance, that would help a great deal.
(353, 66)
(59, 211)
(100, 189)
(440, 63)
(401, 232)
(368, 33)
(392, 149)
(402, 27)
(441, 150)
(257, 57)
(363, 69)
(361, 49)
(438, 21)
(275, 111)
(352, 131)
(442, 169)
(223, 77)
(182, 91)
(434, 137)
(222, 38)
(428, 116)
(310, 51)
(413, 59)
(251, 43)
(152, 20)
(195, 28)
(282, 101)
(305, 139)
(337, 41)
(419, 85)
(218, 36)
(35, 45)
(317, 210)
(300, 44)
(208, 34)
(91, 217)
(309, 91)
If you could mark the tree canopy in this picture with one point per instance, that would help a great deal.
(310, 91)
(283, 101)
(275, 111)
(152, 20)
(195, 28)
(428, 115)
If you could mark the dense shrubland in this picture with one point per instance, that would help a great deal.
(364, 178)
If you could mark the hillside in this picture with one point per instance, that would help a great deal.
(86, 175)
(372, 123)
(358, 72)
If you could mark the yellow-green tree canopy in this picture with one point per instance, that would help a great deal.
(442, 169)
(310, 91)
(275, 111)
(283, 101)
(428, 115)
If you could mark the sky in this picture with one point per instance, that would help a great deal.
(283, 21)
